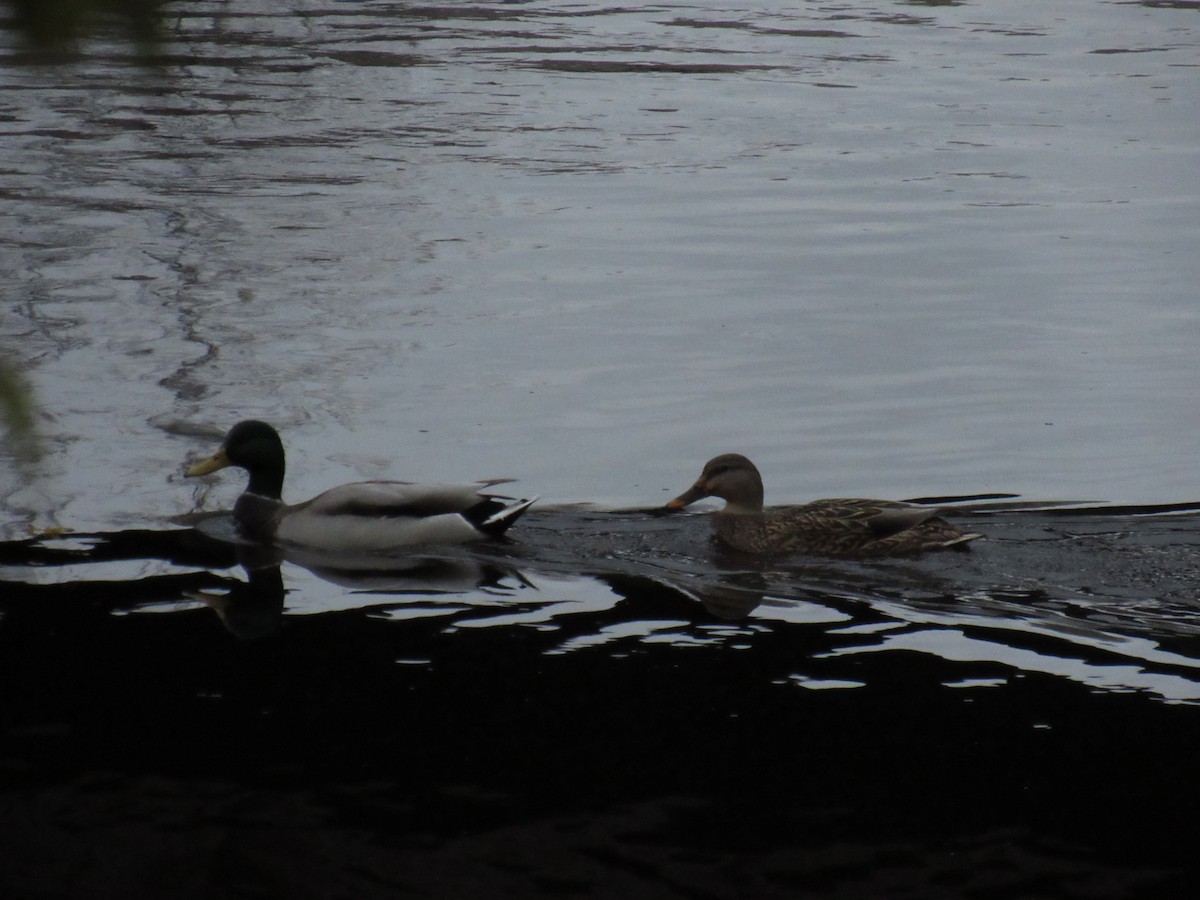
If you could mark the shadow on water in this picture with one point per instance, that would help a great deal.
(606, 705)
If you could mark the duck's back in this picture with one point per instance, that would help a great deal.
(380, 515)
(843, 527)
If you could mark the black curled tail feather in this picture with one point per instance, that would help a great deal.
(494, 515)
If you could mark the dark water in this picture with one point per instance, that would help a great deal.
(886, 249)
(609, 705)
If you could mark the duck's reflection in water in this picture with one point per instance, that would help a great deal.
(255, 607)
(248, 609)
(419, 573)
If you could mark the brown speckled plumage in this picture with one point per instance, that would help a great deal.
(848, 528)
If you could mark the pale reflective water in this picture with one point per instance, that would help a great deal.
(887, 249)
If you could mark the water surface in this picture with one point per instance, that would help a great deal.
(610, 702)
(889, 249)
(893, 250)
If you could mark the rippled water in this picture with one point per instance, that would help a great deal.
(609, 702)
(890, 249)
(893, 249)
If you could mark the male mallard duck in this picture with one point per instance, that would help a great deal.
(847, 528)
(367, 516)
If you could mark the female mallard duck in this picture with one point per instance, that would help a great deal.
(846, 528)
(368, 516)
